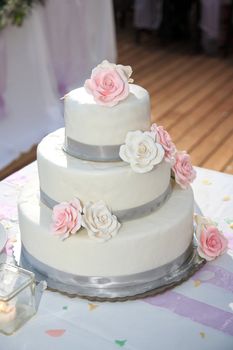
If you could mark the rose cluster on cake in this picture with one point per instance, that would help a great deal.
(144, 150)
(69, 217)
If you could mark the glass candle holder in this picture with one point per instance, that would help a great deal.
(18, 297)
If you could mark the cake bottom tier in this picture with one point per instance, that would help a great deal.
(141, 245)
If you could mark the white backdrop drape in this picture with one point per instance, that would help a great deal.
(52, 53)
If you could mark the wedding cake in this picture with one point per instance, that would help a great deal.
(106, 212)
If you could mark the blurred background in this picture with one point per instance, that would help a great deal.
(181, 51)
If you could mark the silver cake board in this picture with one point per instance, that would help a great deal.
(115, 290)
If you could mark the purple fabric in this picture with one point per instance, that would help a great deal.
(194, 310)
(147, 14)
(65, 27)
(210, 17)
(2, 73)
(220, 277)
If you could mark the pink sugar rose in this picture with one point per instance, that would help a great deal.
(67, 218)
(183, 170)
(163, 137)
(211, 243)
(109, 83)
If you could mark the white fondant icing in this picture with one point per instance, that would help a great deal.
(93, 124)
(63, 177)
(140, 245)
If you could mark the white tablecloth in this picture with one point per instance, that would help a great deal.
(52, 53)
(195, 315)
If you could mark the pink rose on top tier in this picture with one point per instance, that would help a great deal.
(211, 243)
(109, 83)
(163, 137)
(67, 218)
(183, 169)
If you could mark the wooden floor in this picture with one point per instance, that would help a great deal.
(191, 96)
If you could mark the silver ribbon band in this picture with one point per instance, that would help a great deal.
(105, 153)
(126, 214)
(111, 286)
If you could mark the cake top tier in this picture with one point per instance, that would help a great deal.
(101, 113)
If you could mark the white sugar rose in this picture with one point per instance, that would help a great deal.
(142, 151)
(101, 225)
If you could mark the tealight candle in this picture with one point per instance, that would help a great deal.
(19, 297)
(7, 312)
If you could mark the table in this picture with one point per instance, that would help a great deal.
(53, 52)
(195, 315)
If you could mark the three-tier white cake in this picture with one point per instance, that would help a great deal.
(131, 218)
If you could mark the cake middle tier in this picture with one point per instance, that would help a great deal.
(63, 177)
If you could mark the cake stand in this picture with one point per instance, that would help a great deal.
(117, 288)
